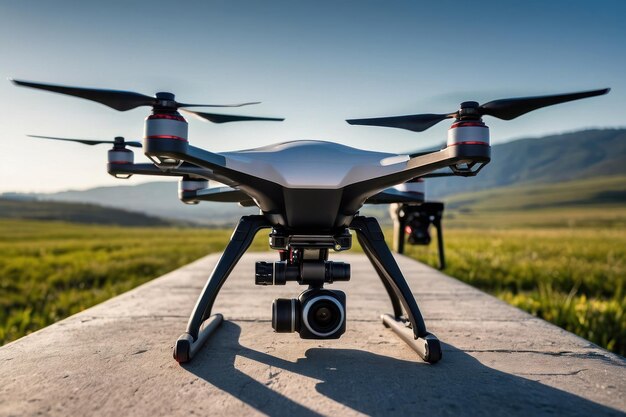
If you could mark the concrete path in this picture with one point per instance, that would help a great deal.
(115, 359)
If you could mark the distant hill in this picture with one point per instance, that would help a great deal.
(598, 191)
(75, 212)
(598, 202)
(550, 159)
(158, 199)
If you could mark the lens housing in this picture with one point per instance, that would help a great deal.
(316, 314)
(323, 315)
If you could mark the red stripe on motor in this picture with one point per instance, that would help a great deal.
(120, 162)
(166, 116)
(469, 142)
(166, 137)
(465, 124)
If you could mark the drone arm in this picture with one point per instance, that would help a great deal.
(210, 163)
(465, 160)
(449, 157)
(151, 169)
(186, 169)
(223, 173)
(219, 195)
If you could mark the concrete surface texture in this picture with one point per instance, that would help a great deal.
(116, 359)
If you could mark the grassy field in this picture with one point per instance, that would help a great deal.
(50, 270)
(571, 277)
(557, 251)
(594, 202)
(567, 266)
(76, 213)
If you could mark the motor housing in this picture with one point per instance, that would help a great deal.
(165, 130)
(187, 185)
(468, 132)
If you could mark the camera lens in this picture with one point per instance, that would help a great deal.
(323, 315)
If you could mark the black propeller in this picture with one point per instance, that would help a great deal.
(505, 109)
(117, 141)
(121, 100)
(225, 118)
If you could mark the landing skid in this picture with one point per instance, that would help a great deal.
(201, 323)
(412, 330)
(372, 241)
(427, 347)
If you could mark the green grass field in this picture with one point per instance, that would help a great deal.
(50, 270)
(574, 278)
(565, 265)
(557, 251)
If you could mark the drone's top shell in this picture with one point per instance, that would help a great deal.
(473, 132)
(314, 164)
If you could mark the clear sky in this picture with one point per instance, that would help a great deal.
(315, 63)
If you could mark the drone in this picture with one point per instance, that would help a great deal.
(412, 215)
(309, 194)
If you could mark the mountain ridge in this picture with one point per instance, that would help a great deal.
(548, 159)
(85, 213)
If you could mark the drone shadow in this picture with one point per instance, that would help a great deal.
(379, 385)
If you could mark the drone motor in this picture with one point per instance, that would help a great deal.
(468, 129)
(119, 154)
(190, 184)
(165, 130)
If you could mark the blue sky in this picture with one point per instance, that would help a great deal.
(315, 63)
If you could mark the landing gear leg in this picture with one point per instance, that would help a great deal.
(442, 256)
(201, 324)
(372, 240)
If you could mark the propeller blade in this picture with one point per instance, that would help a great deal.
(415, 122)
(225, 118)
(118, 100)
(88, 141)
(218, 105)
(510, 108)
(506, 109)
